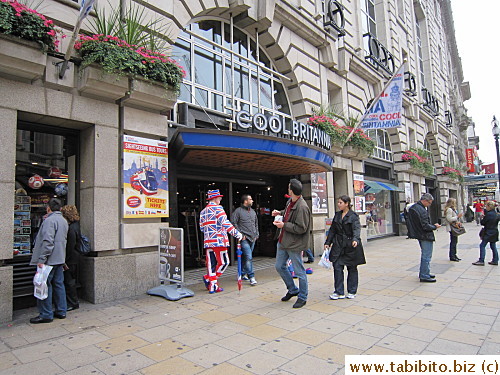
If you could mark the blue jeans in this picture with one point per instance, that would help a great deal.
(310, 255)
(453, 246)
(282, 256)
(246, 258)
(425, 259)
(55, 283)
(482, 251)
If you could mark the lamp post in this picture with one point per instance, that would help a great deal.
(496, 133)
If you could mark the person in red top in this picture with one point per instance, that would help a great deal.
(479, 211)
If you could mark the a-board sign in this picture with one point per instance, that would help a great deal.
(171, 267)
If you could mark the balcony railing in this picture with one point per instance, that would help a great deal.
(378, 55)
(334, 17)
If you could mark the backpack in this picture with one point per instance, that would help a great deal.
(84, 247)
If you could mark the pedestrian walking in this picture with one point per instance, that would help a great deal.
(489, 233)
(420, 228)
(50, 250)
(346, 249)
(215, 226)
(478, 211)
(245, 220)
(74, 237)
(452, 218)
(293, 238)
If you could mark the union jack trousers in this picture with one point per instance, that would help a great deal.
(215, 225)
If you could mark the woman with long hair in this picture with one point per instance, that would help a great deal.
(71, 215)
(344, 240)
(452, 217)
(489, 234)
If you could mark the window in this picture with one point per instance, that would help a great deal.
(382, 144)
(368, 21)
(419, 51)
(221, 75)
(411, 138)
(401, 9)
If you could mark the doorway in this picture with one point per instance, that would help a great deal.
(191, 199)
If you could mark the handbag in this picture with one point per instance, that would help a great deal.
(457, 229)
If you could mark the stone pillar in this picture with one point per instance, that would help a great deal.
(8, 124)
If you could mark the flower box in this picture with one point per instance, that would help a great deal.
(407, 167)
(350, 152)
(94, 82)
(21, 59)
(337, 148)
(152, 96)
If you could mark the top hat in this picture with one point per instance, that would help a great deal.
(212, 194)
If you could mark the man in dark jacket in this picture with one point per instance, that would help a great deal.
(50, 250)
(293, 238)
(245, 220)
(420, 228)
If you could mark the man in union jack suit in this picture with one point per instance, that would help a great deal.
(215, 226)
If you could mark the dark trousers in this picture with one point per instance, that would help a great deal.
(453, 246)
(70, 276)
(352, 278)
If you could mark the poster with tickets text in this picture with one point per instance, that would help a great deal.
(319, 193)
(145, 177)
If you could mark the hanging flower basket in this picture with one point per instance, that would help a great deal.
(418, 162)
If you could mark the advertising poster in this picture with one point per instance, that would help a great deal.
(359, 193)
(319, 193)
(469, 156)
(408, 193)
(145, 177)
(171, 256)
(359, 204)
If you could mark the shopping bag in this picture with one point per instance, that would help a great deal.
(40, 282)
(325, 261)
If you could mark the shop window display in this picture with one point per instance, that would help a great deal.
(379, 218)
(42, 164)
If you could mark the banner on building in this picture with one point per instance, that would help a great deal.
(145, 177)
(488, 168)
(171, 256)
(469, 155)
(319, 193)
(386, 110)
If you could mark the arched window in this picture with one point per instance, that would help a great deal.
(382, 144)
(222, 77)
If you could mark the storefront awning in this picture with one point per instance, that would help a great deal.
(375, 187)
(238, 151)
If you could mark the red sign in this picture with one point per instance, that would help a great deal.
(488, 168)
(469, 155)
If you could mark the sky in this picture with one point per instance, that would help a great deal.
(477, 30)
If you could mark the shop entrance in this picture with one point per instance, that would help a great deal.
(191, 199)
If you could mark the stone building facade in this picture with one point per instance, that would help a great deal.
(244, 59)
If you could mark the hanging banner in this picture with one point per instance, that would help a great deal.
(386, 111)
(488, 168)
(145, 177)
(469, 155)
(319, 193)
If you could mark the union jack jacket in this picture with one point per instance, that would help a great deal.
(215, 225)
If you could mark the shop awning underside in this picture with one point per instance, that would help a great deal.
(246, 152)
(375, 187)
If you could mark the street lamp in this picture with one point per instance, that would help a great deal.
(496, 133)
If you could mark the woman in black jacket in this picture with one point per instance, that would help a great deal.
(70, 213)
(490, 234)
(344, 240)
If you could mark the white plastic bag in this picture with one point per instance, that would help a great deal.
(40, 281)
(325, 261)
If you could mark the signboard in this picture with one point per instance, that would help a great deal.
(359, 192)
(408, 192)
(171, 266)
(319, 193)
(285, 127)
(493, 176)
(145, 177)
(469, 156)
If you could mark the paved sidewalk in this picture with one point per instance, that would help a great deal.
(255, 333)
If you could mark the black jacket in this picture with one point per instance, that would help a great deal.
(341, 234)
(419, 223)
(73, 241)
(490, 223)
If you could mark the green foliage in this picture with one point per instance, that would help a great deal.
(419, 159)
(18, 20)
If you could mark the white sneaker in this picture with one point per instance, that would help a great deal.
(245, 278)
(335, 296)
(253, 281)
(350, 295)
